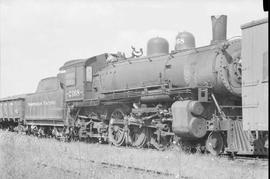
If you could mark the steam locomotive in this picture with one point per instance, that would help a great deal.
(191, 95)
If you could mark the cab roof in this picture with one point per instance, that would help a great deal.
(70, 63)
(254, 23)
(79, 62)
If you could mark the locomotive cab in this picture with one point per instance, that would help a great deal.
(92, 84)
(73, 79)
(80, 77)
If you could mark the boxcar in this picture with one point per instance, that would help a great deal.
(12, 108)
(255, 75)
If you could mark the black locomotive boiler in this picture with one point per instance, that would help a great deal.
(190, 95)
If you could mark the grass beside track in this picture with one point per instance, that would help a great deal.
(30, 157)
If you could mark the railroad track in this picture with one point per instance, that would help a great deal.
(155, 172)
(244, 158)
(97, 163)
(228, 156)
(119, 166)
(247, 160)
(45, 165)
(109, 165)
(137, 169)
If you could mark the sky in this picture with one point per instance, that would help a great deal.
(38, 36)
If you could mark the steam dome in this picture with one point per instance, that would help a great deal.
(157, 46)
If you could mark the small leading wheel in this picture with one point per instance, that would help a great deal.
(117, 135)
(138, 136)
(159, 141)
(214, 143)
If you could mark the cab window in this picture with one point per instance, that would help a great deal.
(70, 78)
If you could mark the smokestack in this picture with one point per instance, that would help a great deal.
(219, 28)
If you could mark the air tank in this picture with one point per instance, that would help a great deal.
(185, 124)
(184, 41)
(157, 46)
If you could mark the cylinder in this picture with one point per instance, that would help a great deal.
(197, 127)
(219, 28)
(195, 107)
(157, 46)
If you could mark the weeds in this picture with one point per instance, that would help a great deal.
(30, 157)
